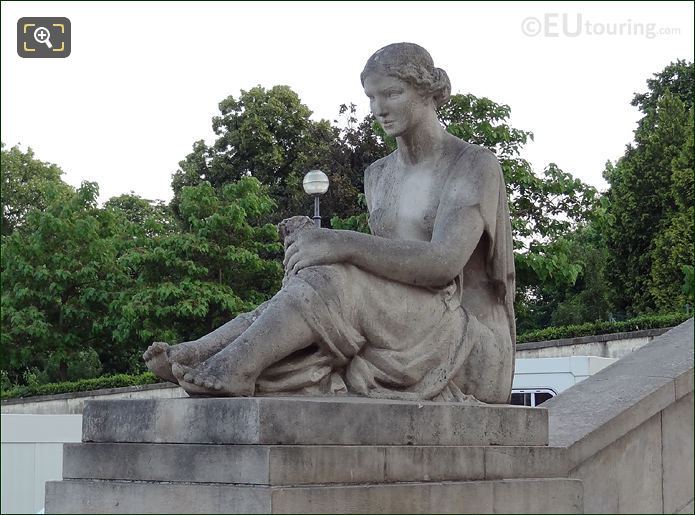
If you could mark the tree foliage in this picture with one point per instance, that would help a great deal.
(59, 276)
(26, 182)
(266, 134)
(185, 283)
(87, 288)
(650, 235)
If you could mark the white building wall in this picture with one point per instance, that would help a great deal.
(32, 453)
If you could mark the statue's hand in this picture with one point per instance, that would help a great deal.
(311, 248)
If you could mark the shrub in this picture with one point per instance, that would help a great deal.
(97, 383)
(596, 328)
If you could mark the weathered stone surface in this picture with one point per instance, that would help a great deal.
(626, 476)
(525, 462)
(538, 496)
(296, 465)
(312, 421)
(622, 396)
(638, 468)
(688, 508)
(624, 432)
(599, 481)
(684, 384)
(517, 496)
(669, 356)
(142, 497)
(468, 497)
(245, 464)
(597, 413)
(614, 345)
(677, 432)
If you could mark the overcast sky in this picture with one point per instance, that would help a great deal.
(144, 79)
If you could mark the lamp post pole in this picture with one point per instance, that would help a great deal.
(317, 215)
(316, 183)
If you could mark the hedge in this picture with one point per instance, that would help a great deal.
(596, 328)
(550, 333)
(114, 381)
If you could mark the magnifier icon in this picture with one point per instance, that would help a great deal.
(42, 35)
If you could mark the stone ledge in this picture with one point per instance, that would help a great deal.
(599, 338)
(623, 395)
(505, 496)
(311, 421)
(297, 465)
(89, 393)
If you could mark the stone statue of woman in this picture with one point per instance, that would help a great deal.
(421, 309)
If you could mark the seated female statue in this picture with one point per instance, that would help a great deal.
(420, 309)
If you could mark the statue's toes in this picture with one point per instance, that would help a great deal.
(179, 371)
(154, 350)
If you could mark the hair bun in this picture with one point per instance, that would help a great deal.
(442, 86)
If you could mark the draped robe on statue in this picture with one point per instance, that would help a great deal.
(385, 339)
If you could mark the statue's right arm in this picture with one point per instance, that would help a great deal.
(457, 230)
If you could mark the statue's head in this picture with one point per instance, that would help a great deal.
(412, 64)
(404, 87)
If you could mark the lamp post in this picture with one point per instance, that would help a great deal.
(315, 183)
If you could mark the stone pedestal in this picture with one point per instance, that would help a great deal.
(320, 455)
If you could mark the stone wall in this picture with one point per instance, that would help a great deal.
(73, 403)
(614, 345)
(628, 430)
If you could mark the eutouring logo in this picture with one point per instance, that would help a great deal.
(43, 37)
(553, 25)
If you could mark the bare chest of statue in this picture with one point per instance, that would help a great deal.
(405, 201)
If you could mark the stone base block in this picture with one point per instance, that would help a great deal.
(312, 421)
(299, 465)
(505, 496)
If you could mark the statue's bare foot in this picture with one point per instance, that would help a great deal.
(206, 379)
(157, 361)
(159, 356)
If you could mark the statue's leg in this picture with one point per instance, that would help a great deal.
(159, 356)
(278, 332)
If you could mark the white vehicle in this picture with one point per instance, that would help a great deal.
(538, 379)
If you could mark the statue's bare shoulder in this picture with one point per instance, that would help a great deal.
(377, 166)
(471, 159)
(372, 173)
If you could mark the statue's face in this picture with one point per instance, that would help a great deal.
(396, 105)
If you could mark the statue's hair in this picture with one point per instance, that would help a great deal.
(412, 64)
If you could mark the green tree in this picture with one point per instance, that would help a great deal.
(266, 134)
(672, 248)
(678, 78)
(651, 197)
(590, 297)
(59, 276)
(185, 283)
(143, 217)
(25, 182)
